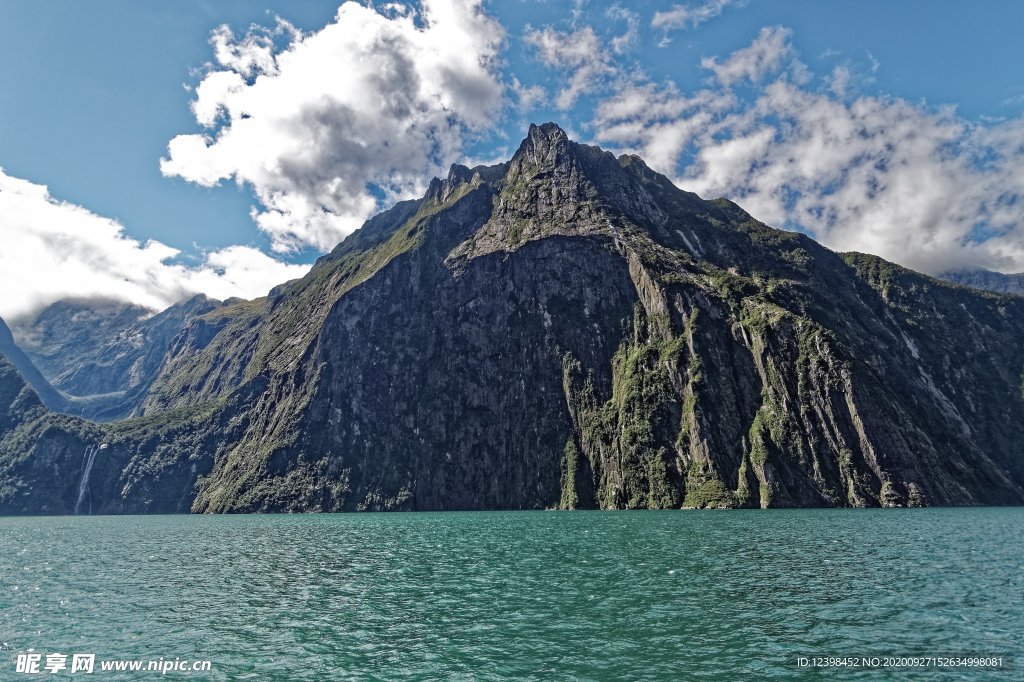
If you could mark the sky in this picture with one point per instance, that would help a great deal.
(153, 150)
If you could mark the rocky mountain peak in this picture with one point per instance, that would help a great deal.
(441, 190)
(553, 186)
(545, 146)
(542, 191)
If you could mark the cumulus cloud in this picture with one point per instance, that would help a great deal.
(331, 126)
(913, 183)
(579, 54)
(54, 249)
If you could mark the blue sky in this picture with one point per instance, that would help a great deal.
(94, 93)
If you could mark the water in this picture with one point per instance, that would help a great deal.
(528, 595)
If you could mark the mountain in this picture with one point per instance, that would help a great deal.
(57, 337)
(567, 329)
(980, 278)
(102, 355)
(27, 370)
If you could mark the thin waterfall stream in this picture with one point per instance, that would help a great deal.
(83, 485)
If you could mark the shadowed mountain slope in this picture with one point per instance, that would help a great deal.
(567, 329)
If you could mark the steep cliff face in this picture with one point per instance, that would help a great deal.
(570, 330)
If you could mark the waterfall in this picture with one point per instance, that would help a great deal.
(83, 485)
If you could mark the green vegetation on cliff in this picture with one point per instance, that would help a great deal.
(564, 330)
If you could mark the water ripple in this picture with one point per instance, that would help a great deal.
(588, 596)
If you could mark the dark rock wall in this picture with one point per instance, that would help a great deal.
(564, 330)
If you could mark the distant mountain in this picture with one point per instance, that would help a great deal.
(102, 355)
(567, 329)
(988, 280)
(67, 334)
(17, 357)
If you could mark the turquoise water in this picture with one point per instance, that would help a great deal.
(526, 595)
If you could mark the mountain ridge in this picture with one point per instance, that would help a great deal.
(980, 278)
(569, 329)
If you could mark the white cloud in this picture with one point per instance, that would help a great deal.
(689, 16)
(839, 81)
(253, 54)
(372, 105)
(659, 123)
(915, 184)
(579, 54)
(850, 76)
(770, 52)
(576, 13)
(527, 97)
(624, 43)
(54, 249)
